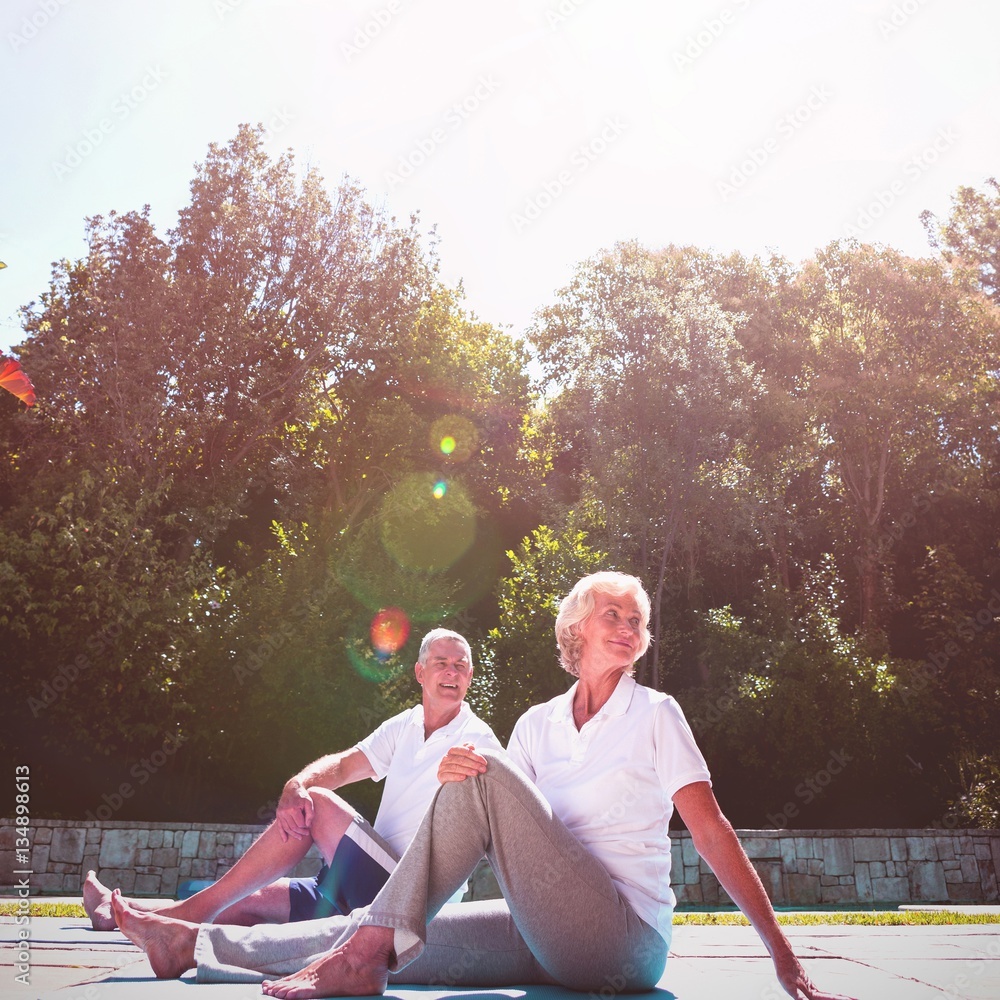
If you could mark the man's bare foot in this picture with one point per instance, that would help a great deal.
(359, 968)
(97, 903)
(168, 943)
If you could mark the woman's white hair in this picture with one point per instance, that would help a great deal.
(578, 605)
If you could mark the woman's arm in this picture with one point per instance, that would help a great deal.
(716, 841)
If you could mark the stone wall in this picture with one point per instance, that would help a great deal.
(141, 858)
(798, 867)
(852, 867)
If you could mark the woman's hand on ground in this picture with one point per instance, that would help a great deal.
(461, 762)
(798, 985)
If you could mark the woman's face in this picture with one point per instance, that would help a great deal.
(612, 634)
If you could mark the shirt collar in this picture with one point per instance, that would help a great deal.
(562, 706)
(617, 704)
(417, 718)
(621, 698)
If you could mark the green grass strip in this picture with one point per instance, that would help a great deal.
(868, 918)
(43, 910)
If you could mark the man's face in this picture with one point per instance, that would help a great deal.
(446, 672)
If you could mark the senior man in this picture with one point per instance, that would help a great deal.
(358, 858)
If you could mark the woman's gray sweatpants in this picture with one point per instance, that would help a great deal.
(562, 919)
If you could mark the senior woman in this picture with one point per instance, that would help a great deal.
(574, 824)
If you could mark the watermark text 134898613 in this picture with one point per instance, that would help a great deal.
(22, 855)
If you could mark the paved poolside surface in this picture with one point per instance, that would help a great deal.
(70, 961)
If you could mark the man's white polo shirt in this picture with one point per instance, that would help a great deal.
(398, 752)
(612, 781)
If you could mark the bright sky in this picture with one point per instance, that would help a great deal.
(533, 133)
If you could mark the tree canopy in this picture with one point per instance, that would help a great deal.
(271, 448)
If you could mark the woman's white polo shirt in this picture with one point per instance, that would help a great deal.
(612, 782)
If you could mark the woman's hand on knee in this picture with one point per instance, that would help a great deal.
(461, 762)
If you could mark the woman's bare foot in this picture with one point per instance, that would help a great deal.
(168, 943)
(97, 903)
(359, 968)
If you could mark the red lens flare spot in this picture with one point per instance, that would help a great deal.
(390, 630)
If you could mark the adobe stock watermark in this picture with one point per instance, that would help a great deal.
(454, 118)
(900, 15)
(22, 856)
(121, 109)
(724, 703)
(808, 790)
(37, 21)
(619, 809)
(984, 618)
(628, 978)
(785, 128)
(223, 8)
(586, 154)
(456, 974)
(893, 533)
(719, 707)
(65, 676)
(912, 170)
(286, 632)
(562, 12)
(368, 30)
(961, 986)
(266, 648)
(142, 771)
(712, 28)
(278, 120)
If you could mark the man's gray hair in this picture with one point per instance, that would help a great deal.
(442, 633)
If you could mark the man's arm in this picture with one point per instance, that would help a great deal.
(295, 808)
(716, 841)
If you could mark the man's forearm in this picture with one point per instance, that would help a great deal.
(325, 772)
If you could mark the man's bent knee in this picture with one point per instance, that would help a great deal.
(331, 817)
(323, 798)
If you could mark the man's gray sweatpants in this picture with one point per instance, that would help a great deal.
(562, 919)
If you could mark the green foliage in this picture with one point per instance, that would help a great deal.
(970, 238)
(800, 726)
(654, 384)
(259, 429)
(236, 462)
(979, 804)
(522, 663)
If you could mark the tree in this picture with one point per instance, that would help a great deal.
(889, 345)
(800, 726)
(651, 371)
(970, 238)
(521, 666)
(271, 395)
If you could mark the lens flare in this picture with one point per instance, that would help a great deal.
(455, 437)
(389, 631)
(425, 524)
